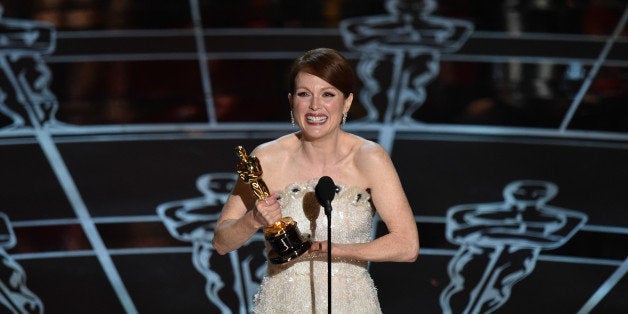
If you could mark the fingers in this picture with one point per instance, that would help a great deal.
(315, 247)
(271, 199)
(268, 210)
(318, 247)
(269, 204)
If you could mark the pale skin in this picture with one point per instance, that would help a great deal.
(322, 148)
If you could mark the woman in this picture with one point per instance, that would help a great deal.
(322, 89)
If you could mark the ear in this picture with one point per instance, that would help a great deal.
(290, 100)
(348, 102)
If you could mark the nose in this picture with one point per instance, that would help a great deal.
(314, 103)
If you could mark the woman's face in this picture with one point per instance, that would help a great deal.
(317, 106)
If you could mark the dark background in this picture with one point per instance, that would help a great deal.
(145, 123)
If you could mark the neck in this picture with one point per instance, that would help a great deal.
(323, 151)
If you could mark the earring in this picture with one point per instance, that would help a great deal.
(344, 118)
(291, 118)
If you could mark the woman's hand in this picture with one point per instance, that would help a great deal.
(267, 211)
(318, 247)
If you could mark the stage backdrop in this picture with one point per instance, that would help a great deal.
(507, 122)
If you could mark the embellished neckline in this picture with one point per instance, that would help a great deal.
(354, 194)
(311, 185)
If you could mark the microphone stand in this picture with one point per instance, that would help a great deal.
(328, 214)
(325, 190)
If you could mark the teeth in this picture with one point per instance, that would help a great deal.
(316, 119)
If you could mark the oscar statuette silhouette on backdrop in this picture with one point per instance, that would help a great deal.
(285, 239)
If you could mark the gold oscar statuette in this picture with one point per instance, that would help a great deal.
(286, 242)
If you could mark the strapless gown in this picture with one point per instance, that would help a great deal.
(301, 286)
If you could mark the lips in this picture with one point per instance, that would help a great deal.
(316, 119)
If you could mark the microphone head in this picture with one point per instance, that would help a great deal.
(325, 191)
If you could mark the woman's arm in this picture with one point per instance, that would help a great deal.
(237, 223)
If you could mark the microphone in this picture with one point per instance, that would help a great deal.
(325, 191)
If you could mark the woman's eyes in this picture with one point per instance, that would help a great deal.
(306, 94)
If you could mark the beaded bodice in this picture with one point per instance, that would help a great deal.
(301, 285)
(351, 217)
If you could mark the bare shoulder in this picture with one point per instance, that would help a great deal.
(375, 166)
(370, 154)
(274, 149)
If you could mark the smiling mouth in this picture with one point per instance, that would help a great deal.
(316, 119)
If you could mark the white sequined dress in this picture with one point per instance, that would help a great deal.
(301, 286)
